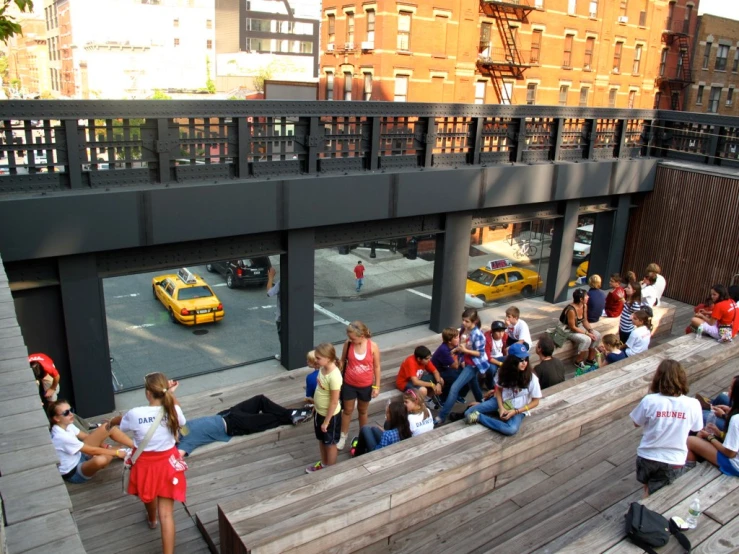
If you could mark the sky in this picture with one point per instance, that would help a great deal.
(722, 8)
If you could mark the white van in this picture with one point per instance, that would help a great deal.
(583, 240)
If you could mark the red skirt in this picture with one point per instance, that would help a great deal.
(158, 474)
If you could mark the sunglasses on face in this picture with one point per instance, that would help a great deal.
(522, 360)
(65, 413)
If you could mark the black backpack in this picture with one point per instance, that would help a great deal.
(646, 529)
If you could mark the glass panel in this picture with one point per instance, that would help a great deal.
(581, 251)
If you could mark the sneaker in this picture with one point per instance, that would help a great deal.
(472, 418)
(438, 423)
(315, 467)
(342, 441)
(581, 365)
(456, 416)
(301, 416)
(353, 449)
(461, 400)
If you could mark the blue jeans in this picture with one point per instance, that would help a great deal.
(360, 282)
(369, 438)
(721, 400)
(467, 375)
(202, 431)
(509, 427)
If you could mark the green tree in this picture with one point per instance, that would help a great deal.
(210, 86)
(263, 74)
(8, 25)
(159, 94)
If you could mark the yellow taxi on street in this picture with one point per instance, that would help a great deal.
(500, 279)
(582, 269)
(187, 298)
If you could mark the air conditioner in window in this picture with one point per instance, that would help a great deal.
(368, 45)
(586, 67)
(349, 46)
(593, 15)
(616, 70)
(330, 47)
(623, 19)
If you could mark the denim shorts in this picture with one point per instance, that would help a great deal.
(656, 474)
(76, 476)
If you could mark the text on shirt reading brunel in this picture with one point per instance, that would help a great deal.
(678, 415)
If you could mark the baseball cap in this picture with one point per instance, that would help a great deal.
(498, 326)
(519, 351)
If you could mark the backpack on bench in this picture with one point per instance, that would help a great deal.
(646, 528)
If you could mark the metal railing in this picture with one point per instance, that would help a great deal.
(61, 145)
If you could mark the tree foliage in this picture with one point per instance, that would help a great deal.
(159, 94)
(8, 25)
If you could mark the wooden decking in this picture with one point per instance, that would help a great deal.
(111, 522)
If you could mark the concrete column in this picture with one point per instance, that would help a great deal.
(450, 272)
(296, 297)
(560, 258)
(600, 249)
(87, 334)
(618, 235)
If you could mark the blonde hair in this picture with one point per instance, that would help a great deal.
(613, 341)
(513, 311)
(359, 329)
(310, 357)
(158, 386)
(595, 281)
(654, 267)
(326, 350)
(418, 397)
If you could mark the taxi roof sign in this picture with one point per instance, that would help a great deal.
(186, 276)
(498, 264)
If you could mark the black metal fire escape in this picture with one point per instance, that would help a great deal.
(508, 62)
(676, 36)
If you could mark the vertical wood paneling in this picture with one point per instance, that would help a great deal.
(689, 226)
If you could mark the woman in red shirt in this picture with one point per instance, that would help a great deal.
(615, 298)
(360, 363)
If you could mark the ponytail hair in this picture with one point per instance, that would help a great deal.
(644, 317)
(613, 341)
(327, 350)
(158, 386)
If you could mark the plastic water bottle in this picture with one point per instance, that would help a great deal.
(698, 332)
(694, 512)
(710, 419)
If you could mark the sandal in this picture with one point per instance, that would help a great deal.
(152, 524)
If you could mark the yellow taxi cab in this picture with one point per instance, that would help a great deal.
(187, 298)
(582, 269)
(500, 279)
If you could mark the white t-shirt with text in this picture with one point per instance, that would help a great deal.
(667, 420)
(68, 447)
(516, 399)
(731, 441)
(638, 341)
(520, 332)
(138, 420)
(420, 424)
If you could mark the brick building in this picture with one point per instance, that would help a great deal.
(715, 67)
(675, 64)
(566, 52)
(28, 66)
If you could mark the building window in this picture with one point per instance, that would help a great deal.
(730, 96)
(714, 99)
(735, 66)
(686, 22)
(618, 50)
(699, 96)
(563, 90)
(679, 68)
(535, 46)
(329, 86)
(624, 8)
(401, 88)
(670, 15)
(637, 59)
(593, 9)
(348, 84)
(440, 35)
(208, 23)
(331, 28)
(371, 26)
(567, 60)
(721, 56)
(612, 97)
(584, 96)
(176, 42)
(663, 62)
(589, 47)
(368, 86)
(480, 92)
(209, 44)
(632, 98)
(350, 29)
(176, 23)
(572, 7)
(485, 47)
(707, 54)
(404, 32)
(531, 94)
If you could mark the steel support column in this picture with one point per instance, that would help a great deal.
(87, 334)
(296, 297)
(618, 236)
(560, 258)
(600, 248)
(450, 271)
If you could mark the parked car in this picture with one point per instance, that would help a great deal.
(583, 240)
(243, 272)
(504, 280)
(187, 298)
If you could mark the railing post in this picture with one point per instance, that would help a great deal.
(520, 140)
(476, 146)
(557, 146)
(374, 152)
(243, 139)
(314, 142)
(72, 139)
(163, 148)
(429, 139)
(592, 126)
(712, 157)
(620, 138)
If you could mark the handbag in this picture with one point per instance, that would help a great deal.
(129, 461)
(646, 528)
(559, 335)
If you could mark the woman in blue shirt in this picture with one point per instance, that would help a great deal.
(373, 437)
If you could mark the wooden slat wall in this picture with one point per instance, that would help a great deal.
(689, 226)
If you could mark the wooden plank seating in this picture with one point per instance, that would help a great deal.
(384, 492)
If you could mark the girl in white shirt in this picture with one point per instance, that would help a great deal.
(419, 416)
(641, 335)
(158, 476)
